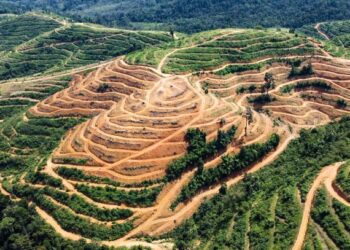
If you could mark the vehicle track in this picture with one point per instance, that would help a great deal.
(318, 28)
(326, 176)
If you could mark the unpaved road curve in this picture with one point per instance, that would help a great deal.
(327, 175)
(57, 75)
(48, 219)
(318, 28)
(195, 202)
(330, 189)
(75, 237)
(165, 58)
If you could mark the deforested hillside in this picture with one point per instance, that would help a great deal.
(224, 139)
(192, 16)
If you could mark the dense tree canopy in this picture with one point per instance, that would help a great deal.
(195, 15)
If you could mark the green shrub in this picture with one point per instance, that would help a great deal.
(261, 99)
(323, 215)
(142, 198)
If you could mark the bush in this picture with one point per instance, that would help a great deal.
(44, 179)
(322, 214)
(141, 198)
(341, 103)
(79, 175)
(80, 206)
(306, 70)
(343, 181)
(261, 99)
(102, 88)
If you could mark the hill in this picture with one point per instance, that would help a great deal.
(336, 36)
(224, 139)
(42, 44)
(193, 16)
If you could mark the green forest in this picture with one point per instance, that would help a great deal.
(191, 16)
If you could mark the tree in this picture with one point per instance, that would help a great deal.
(172, 33)
(252, 88)
(205, 87)
(341, 103)
(196, 139)
(222, 122)
(223, 140)
(269, 82)
(104, 87)
(307, 70)
(223, 189)
(7, 66)
(200, 166)
(185, 235)
(248, 114)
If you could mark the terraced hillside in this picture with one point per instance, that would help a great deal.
(35, 44)
(211, 140)
(336, 36)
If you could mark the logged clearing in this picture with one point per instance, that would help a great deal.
(138, 117)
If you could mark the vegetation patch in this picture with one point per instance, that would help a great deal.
(324, 215)
(297, 167)
(343, 180)
(199, 151)
(109, 195)
(231, 164)
(320, 85)
(71, 222)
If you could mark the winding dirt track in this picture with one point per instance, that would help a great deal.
(326, 176)
(318, 28)
(165, 58)
(75, 237)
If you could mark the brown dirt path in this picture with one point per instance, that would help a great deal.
(51, 221)
(318, 28)
(165, 58)
(75, 237)
(187, 210)
(327, 175)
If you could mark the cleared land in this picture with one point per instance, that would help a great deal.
(150, 148)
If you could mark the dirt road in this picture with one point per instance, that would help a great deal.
(318, 28)
(327, 175)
